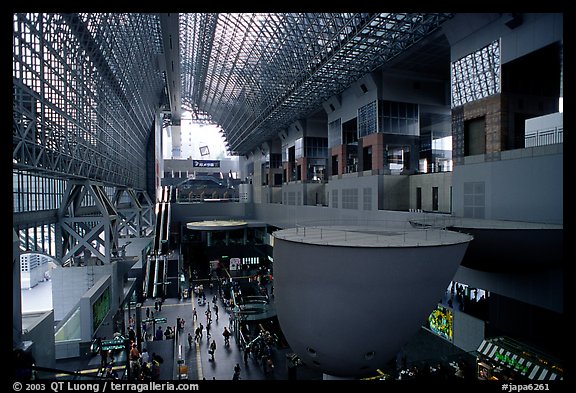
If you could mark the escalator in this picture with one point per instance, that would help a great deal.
(162, 222)
(155, 276)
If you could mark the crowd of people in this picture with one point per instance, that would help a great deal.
(210, 297)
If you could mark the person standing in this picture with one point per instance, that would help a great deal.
(144, 357)
(189, 340)
(134, 361)
(103, 358)
(208, 335)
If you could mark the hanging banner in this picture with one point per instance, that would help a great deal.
(234, 263)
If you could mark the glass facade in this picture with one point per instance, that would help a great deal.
(476, 75)
(32, 192)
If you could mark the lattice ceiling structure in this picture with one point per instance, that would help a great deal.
(86, 90)
(254, 74)
(88, 87)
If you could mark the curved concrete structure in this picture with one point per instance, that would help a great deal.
(216, 225)
(329, 284)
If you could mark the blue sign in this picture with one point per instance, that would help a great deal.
(206, 163)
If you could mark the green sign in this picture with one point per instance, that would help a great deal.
(511, 362)
(100, 309)
(115, 343)
(155, 320)
(111, 347)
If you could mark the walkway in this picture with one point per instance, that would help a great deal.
(225, 358)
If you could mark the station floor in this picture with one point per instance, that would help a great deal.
(196, 357)
(425, 348)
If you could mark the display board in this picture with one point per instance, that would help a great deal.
(100, 308)
(440, 321)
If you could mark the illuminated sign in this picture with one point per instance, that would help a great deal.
(440, 322)
(116, 343)
(206, 163)
(507, 360)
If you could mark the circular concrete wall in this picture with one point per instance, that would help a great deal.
(349, 310)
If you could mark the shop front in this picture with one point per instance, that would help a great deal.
(505, 359)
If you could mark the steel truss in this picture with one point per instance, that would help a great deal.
(87, 224)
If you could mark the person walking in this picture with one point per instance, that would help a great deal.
(208, 335)
(226, 335)
(237, 370)
(246, 354)
(189, 340)
(269, 366)
(212, 349)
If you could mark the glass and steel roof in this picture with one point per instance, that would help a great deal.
(254, 74)
(88, 87)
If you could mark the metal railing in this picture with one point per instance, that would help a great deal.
(376, 233)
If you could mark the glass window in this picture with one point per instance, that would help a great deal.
(299, 148)
(367, 119)
(335, 133)
(398, 118)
